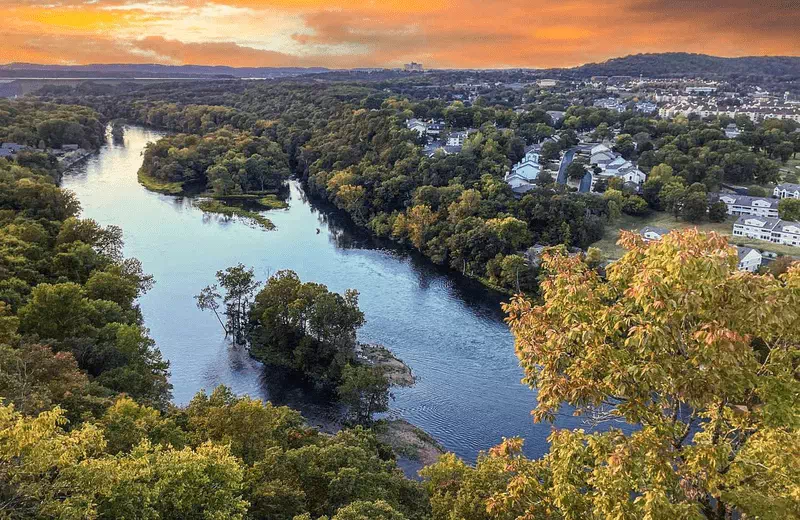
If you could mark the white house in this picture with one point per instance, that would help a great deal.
(524, 173)
(457, 138)
(613, 165)
(749, 259)
(745, 205)
(653, 233)
(418, 126)
(787, 233)
(732, 131)
(787, 191)
(435, 128)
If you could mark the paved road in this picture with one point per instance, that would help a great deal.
(586, 183)
(565, 162)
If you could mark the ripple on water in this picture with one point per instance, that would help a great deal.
(449, 330)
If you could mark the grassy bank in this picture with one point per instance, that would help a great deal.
(153, 184)
(608, 244)
(220, 208)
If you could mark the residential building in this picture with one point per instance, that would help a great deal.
(732, 131)
(547, 82)
(770, 229)
(612, 165)
(556, 115)
(787, 191)
(435, 128)
(653, 233)
(12, 148)
(646, 107)
(458, 138)
(610, 104)
(787, 233)
(701, 90)
(749, 259)
(418, 126)
(413, 67)
(755, 227)
(523, 175)
(746, 205)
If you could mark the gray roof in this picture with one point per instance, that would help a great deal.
(655, 229)
(788, 186)
(769, 222)
(746, 200)
(786, 223)
(743, 251)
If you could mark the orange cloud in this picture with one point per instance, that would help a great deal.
(339, 33)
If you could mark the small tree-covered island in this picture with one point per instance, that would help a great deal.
(641, 231)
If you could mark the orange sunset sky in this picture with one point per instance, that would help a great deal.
(438, 33)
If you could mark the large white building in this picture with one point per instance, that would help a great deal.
(746, 205)
(769, 229)
(787, 191)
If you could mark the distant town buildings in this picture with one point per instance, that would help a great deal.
(11, 149)
(646, 107)
(746, 205)
(610, 104)
(769, 229)
(413, 67)
(706, 90)
(547, 82)
(556, 115)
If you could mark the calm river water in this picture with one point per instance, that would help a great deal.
(448, 330)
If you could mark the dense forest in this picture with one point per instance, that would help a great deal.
(690, 364)
(349, 144)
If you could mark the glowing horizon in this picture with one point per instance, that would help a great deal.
(388, 33)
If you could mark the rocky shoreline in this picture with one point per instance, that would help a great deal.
(414, 447)
(397, 372)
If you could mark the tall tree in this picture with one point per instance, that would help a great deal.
(676, 340)
(239, 285)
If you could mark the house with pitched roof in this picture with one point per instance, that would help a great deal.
(749, 259)
(746, 205)
(653, 233)
(787, 191)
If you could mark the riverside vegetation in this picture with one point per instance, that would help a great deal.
(672, 339)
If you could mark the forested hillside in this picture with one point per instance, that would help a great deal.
(681, 64)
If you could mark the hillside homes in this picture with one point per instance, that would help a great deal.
(746, 205)
(613, 165)
(749, 259)
(523, 175)
(787, 191)
(653, 233)
(769, 229)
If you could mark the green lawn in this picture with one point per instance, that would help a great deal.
(608, 244)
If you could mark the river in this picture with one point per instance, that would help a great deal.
(449, 330)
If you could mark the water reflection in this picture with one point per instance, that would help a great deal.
(447, 328)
